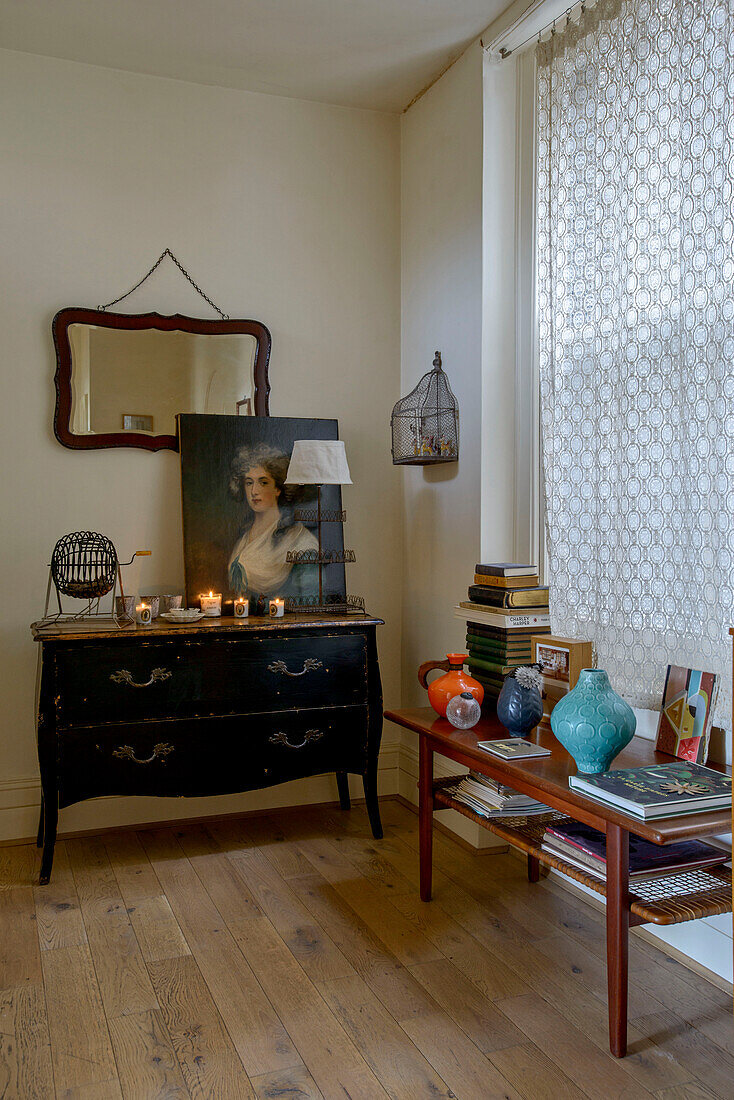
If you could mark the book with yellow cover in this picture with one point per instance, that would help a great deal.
(506, 582)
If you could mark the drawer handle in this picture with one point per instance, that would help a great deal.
(282, 739)
(309, 665)
(122, 676)
(160, 752)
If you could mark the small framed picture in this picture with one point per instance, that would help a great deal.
(137, 422)
(555, 660)
(561, 660)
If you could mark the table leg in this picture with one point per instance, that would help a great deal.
(618, 918)
(369, 781)
(342, 784)
(51, 817)
(533, 869)
(425, 817)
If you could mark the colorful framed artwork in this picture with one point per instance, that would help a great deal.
(687, 713)
(240, 516)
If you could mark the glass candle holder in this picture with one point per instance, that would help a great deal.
(211, 604)
(142, 614)
(277, 608)
(241, 608)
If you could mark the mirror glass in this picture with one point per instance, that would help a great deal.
(137, 381)
(121, 379)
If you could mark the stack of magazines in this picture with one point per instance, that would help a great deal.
(489, 798)
(585, 849)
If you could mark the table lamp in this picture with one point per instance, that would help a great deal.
(320, 462)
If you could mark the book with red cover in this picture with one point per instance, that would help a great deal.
(644, 856)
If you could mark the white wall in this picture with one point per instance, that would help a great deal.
(284, 211)
(441, 231)
(442, 257)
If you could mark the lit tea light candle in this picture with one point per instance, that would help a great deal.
(277, 608)
(142, 614)
(241, 608)
(211, 604)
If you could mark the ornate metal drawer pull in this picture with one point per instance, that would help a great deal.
(160, 752)
(282, 738)
(309, 665)
(122, 676)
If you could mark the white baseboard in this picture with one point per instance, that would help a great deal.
(20, 801)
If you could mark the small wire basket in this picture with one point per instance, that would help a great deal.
(425, 424)
(84, 565)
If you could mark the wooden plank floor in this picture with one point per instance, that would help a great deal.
(289, 956)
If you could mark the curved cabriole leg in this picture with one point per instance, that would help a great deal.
(342, 782)
(39, 837)
(51, 815)
(370, 795)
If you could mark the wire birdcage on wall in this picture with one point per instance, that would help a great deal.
(425, 424)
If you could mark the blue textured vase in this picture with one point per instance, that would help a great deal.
(592, 722)
(519, 709)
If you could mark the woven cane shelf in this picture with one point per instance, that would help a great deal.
(670, 899)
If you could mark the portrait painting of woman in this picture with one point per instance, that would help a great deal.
(239, 513)
(258, 566)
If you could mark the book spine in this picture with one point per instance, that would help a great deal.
(505, 619)
(521, 597)
(495, 667)
(484, 630)
(502, 570)
(506, 584)
(485, 677)
(562, 840)
(500, 650)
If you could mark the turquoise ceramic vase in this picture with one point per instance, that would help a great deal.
(592, 722)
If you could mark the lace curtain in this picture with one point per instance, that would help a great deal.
(636, 335)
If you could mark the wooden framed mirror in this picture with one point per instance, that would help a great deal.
(121, 378)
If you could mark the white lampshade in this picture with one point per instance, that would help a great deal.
(318, 462)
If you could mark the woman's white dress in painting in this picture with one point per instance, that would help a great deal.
(258, 565)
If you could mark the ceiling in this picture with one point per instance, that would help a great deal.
(376, 54)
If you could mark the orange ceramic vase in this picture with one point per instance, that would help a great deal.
(442, 690)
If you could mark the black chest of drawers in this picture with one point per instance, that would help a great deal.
(217, 707)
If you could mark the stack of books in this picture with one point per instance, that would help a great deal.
(505, 608)
(488, 798)
(586, 849)
(658, 790)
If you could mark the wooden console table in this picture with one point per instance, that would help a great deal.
(704, 893)
(215, 707)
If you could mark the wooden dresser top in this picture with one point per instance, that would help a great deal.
(63, 632)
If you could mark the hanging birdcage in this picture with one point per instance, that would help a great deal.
(425, 424)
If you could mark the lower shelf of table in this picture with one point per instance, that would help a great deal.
(670, 899)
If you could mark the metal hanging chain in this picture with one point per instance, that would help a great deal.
(184, 272)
